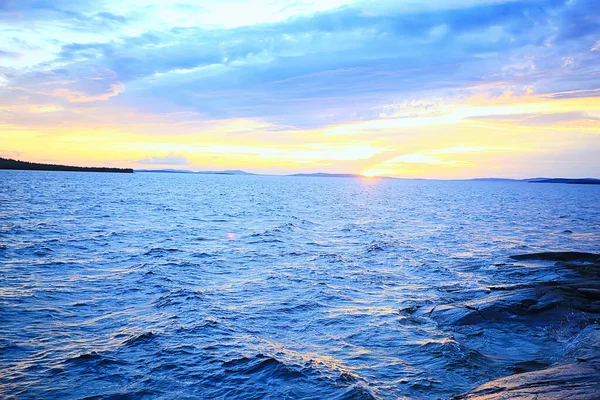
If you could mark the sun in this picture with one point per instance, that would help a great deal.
(371, 173)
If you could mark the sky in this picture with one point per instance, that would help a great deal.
(405, 88)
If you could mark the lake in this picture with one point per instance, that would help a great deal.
(153, 285)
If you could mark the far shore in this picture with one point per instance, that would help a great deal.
(10, 164)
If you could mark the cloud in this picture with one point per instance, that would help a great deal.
(345, 71)
(539, 119)
(16, 155)
(9, 55)
(574, 94)
(82, 97)
(171, 159)
(307, 66)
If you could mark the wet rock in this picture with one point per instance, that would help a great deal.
(408, 310)
(590, 292)
(455, 314)
(545, 302)
(574, 377)
(571, 381)
(568, 256)
(510, 304)
(528, 366)
(562, 299)
(504, 288)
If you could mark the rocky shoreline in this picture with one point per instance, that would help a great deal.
(563, 302)
(576, 376)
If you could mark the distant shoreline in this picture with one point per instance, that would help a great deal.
(572, 181)
(10, 164)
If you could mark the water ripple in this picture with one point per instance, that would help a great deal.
(185, 286)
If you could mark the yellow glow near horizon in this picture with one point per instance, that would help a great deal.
(476, 137)
(372, 173)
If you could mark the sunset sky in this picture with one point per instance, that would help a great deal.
(437, 89)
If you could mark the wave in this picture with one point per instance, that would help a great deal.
(139, 339)
(91, 357)
(326, 382)
(160, 251)
(178, 296)
(455, 354)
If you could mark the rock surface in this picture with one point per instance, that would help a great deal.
(572, 256)
(575, 377)
(565, 298)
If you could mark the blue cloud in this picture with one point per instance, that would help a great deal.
(9, 54)
(329, 66)
(77, 15)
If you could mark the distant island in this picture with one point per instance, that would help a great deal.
(187, 171)
(326, 175)
(583, 181)
(8, 163)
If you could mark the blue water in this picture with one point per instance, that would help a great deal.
(207, 286)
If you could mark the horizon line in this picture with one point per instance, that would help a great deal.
(242, 172)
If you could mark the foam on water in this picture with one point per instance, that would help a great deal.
(200, 286)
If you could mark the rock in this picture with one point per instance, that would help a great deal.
(579, 381)
(568, 256)
(590, 292)
(562, 298)
(499, 307)
(510, 287)
(575, 377)
(455, 314)
(545, 302)
(528, 366)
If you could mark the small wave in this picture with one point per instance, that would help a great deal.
(85, 357)
(302, 221)
(277, 231)
(138, 394)
(287, 227)
(160, 251)
(353, 227)
(317, 244)
(207, 323)
(178, 296)
(202, 254)
(265, 240)
(357, 391)
(140, 339)
(375, 247)
(82, 304)
(296, 253)
(331, 258)
(333, 381)
(457, 355)
(299, 307)
(91, 357)
(382, 245)
(262, 366)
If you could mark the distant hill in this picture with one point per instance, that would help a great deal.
(494, 180)
(582, 181)
(11, 164)
(185, 171)
(325, 175)
(8, 163)
(167, 171)
(226, 172)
